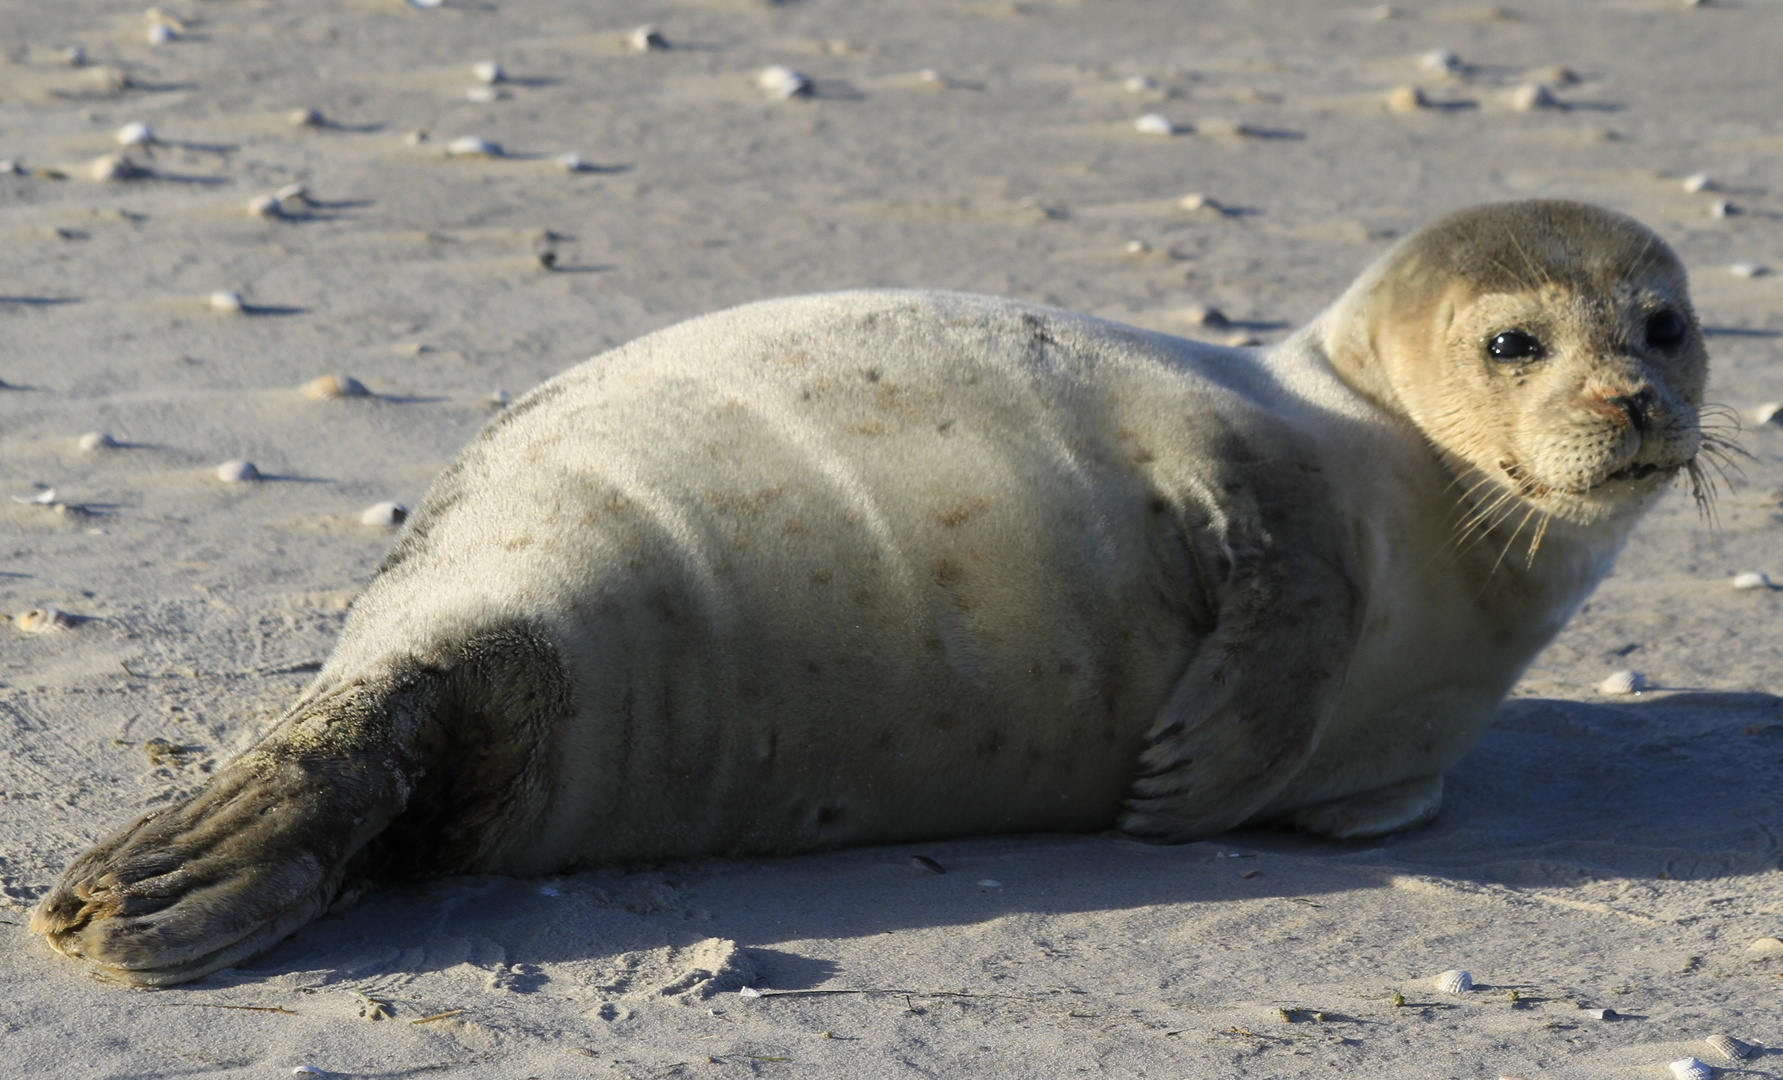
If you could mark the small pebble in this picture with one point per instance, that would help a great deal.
(237, 471)
(647, 38)
(1752, 579)
(1623, 682)
(1454, 981)
(571, 163)
(228, 302)
(97, 440)
(990, 883)
(114, 167)
(1406, 99)
(927, 865)
(1140, 84)
(1197, 201)
(161, 34)
(1440, 62)
(43, 620)
(1768, 413)
(499, 398)
(306, 118)
(1690, 1069)
(1154, 124)
(488, 71)
(416, 137)
(387, 514)
(1696, 182)
(1730, 1048)
(1137, 247)
(74, 56)
(472, 146)
(749, 992)
(931, 77)
(1532, 96)
(336, 385)
(9, 167)
(1204, 315)
(1603, 1014)
(1722, 208)
(1746, 270)
(135, 134)
(783, 82)
(265, 206)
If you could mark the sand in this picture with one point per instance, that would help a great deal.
(1595, 852)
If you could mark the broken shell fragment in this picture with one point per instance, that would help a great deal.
(1746, 270)
(647, 38)
(334, 386)
(1440, 62)
(571, 162)
(1532, 96)
(293, 193)
(783, 82)
(114, 167)
(385, 514)
(265, 206)
(1766, 946)
(237, 471)
(1155, 124)
(1197, 201)
(74, 56)
(306, 118)
(1603, 1014)
(44, 620)
(1454, 981)
(1722, 208)
(97, 440)
(1696, 182)
(1730, 1048)
(161, 34)
(135, 134)
(1751, 579)
(488, 71)
(1769, 412)
(1690, 1069)
(1623, 682)
(1406, 99)
(472, 146)
(227, 301)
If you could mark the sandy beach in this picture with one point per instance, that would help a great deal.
(1608, 867)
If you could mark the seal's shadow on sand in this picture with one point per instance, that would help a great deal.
(1558, 794)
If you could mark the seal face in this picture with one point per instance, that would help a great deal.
(882, 566)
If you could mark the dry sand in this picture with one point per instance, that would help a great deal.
(1594, 853)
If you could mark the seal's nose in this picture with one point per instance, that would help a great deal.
(1637, 406)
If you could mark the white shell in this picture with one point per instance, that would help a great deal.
(1766, 946)
(97, 440)
(488, 71)
(1204, 315)
(783, 82)
(311, 1070)
(749, 992)
(43, 620)
(1531, 96)
(293, 193)
(1440, 61)
(1197, 201)
(74, 56)
(1728, 1047)
(227, 301)
(1701, 181)
(1154, 124)
(647, 37)
(135, 133)
(237, 471)
(46, 497)
(1722, 208)
(9, 167)
(472, 146)
(306, 118)
(413, 4)
(1746, 270)
(114, 167)
(1140, 84)
(1603, 1014)
(384, 513)
(334, 386)
(1623, 682)
(1406, 99)
(161, 34)
(1454, 981)
(571, 162)
(499, 397)
(1768, 412)
(1751, 579)
(1690, 1069)
(1137, 247)
(265, 206)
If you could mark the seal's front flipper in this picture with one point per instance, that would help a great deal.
(257, 852)
(1391, 809)
(1249, 710)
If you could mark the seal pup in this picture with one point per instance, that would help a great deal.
(875, 567)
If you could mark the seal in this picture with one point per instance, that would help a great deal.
(875, 567)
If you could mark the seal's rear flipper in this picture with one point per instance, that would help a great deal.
(1391, 809)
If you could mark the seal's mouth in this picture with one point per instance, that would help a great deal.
(1638, 472)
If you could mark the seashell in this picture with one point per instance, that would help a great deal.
(1623, 682)
(483, 95)
(228, 302)
(74, 56)
(571, 162)
(1154, 124)
(1747, 270)
(1769, 412)
(1690, 1069)
(1140, 84)
(499, 398)
(1701, 181)
(647, 38)
(46, 497)
(43, 620)
(1454, 981)
(1722, 208)
(927, 865)
(114, 167)
(334, 386)
(97, 440)
(488, 71)
(1440, 62)
(9, 167)
(384, 513)
(161, 34)
(156, 15)
(1766, 946)
(1603, 1014)
(749, 992)
(783, 82)
(1532, 96)
(237, 471)
(311, 1070)
(1730, 1048)
(472, 146)
(136, 133)
(265, 206)
(1406, 99)
(1204, 315)
(293, 193)
(990, 883)
(1751, 579)
(306, 118)
(1137, 247)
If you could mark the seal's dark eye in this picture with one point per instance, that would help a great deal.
(1514, 345)
(1665, 330)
